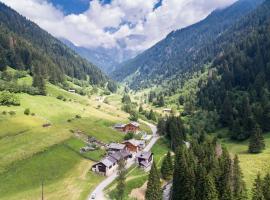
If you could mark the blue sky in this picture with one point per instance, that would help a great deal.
(125, 25)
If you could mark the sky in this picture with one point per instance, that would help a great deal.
(133, 25)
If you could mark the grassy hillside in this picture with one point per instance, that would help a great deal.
(30, 152)
(251, 164)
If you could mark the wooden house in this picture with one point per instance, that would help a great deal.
(132, 127)
(144, 159)
(115, 147)
(133, 145)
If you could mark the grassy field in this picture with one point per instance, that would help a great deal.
(28, 151)
(250, 164)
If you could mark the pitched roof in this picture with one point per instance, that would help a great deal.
(108, 161)
(135, 142)
(116, 146)
(119, 125)
(135, 124)
(120, 154)
(144, 154)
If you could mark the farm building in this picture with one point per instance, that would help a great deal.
(144, 159)
(115, 147)
(109, 164)
(133, 145)
(130, 127)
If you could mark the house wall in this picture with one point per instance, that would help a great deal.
(131, 147)
(130, 128)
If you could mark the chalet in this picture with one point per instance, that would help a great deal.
(132, 127)
(109, 164)
(119, 127)
(106, 166)
(144, 159)
(115, 147)
(133, 145)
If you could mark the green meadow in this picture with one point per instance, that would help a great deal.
(30, 153)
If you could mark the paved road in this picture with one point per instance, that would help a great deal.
(99, 189)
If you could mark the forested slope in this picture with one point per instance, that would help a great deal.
(23, 45)
(184, 50)
(238, 83)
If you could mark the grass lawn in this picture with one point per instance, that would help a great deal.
(250, 164)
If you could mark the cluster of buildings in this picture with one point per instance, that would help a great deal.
(128, 150)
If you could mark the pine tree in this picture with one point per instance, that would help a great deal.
(167, 167)
(39, 81)
(210, 189)
(257, 191)
(266, 187)
(224, 178)
(121, 179)
(153, 191)
(238, 185)
(256, 143)
(183, 176)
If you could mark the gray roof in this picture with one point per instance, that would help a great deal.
(135, 124)
(120, 154)
(108, 161)
(135, 142)
(144, 154)
(119, 125)
(116, 146)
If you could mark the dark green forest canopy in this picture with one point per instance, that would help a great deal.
(24, 46)
(238, 83)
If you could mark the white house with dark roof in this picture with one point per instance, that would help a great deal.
(109, 164)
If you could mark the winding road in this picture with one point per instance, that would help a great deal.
(99, 190)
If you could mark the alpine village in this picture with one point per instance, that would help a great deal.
(135, 99)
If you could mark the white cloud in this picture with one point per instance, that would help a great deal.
(134, 21)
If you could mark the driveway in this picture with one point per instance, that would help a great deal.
(99, 189)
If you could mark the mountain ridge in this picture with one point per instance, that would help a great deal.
(180, 49)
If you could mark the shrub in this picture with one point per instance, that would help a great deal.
(129, 136)
(12, 113)
(27, 111)
(4, 112)
(8, 99)
(78, 117)
(60, 97)
(33, 114)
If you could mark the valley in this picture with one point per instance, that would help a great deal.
(187, 118)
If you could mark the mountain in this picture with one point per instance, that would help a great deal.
(105, 58)
(238, 84)
(24, 45)
(183, 50)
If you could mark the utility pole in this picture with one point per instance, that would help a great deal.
(42, 190)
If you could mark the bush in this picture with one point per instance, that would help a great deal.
(8, 99)
(129, 136)
(12, 113)
(4, 112)
(60, 97)
(27, 111)
(78, 117)
(33, 114)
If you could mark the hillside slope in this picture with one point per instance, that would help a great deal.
(23, 45)
(184, 49)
